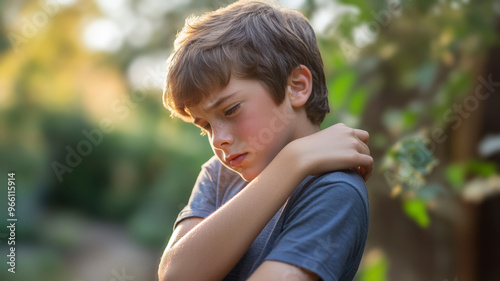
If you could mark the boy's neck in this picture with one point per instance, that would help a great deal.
(305, 129)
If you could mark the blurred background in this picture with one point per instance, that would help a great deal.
(102, 170)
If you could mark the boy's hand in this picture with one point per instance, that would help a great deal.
(334, 148)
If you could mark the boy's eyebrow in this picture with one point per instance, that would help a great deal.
(218, 102)
(214, 105)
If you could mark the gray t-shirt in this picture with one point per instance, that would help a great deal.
(322, 227)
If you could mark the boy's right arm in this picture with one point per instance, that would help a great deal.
(182, 229)
(207, 249)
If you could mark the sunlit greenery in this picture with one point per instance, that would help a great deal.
(96, 154)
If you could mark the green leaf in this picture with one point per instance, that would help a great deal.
(340, 87)
(417, 210)
(415, 152)
(482, 168)
(375, 270)
(358, 102)
(455, 175)
(409, 119)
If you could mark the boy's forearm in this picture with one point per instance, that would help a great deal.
(211, 249)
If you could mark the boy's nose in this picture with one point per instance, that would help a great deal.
(222, 137)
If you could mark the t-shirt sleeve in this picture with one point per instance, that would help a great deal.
(324, 230)
(202, 201)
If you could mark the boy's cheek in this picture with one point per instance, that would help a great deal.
(247, 127)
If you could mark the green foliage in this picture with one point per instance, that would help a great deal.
(416, 209)
(418, 71)
(456, 174)
(376, 267)
(340, 88)
(358, 102)
(420, 62)
(407, 163)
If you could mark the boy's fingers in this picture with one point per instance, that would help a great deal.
(362, 171)
(369, 168)
(366, 169)
(362, 135)
(364, 148)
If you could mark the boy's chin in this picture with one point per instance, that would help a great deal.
(247, 175)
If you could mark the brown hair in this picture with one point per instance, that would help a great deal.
(248, 39)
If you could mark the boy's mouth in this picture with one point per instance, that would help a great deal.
(235, 159)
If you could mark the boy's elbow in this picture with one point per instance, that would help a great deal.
(163, 276)
(169, 275)
(162, 272)
(166, 270)
(166, 274)
(171, 271)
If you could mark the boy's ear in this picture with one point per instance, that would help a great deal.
(299, 86)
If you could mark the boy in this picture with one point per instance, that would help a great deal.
(251, 77)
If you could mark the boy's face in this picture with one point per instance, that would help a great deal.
(245, 127)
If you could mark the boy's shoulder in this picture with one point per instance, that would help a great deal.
(343, 179)
(343, 186)
(323, 212)
(348, 177)
(346, 184)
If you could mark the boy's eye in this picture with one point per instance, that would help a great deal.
(232, 110)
